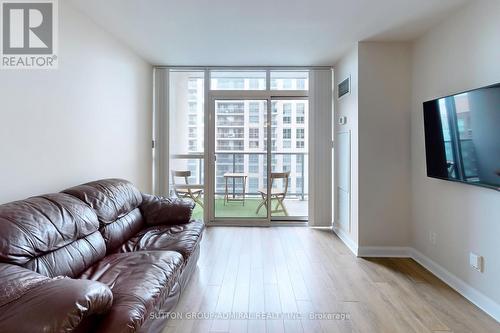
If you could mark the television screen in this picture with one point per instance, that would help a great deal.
(462, 137)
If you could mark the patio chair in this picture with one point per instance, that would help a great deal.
(278, 194)
(183, 191)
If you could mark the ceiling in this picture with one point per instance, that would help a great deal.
(260, 32)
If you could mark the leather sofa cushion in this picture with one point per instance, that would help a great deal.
(159, 210)
(30, 302)
(140, 281)
(54, 234)
(110, 198)
(115, 234)
(182, 238)
(72, 259)
(116, 203)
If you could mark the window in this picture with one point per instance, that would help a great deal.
(274, 120)
(299, 144)
(192, 94)
(193, 107)
(185, 126)
(230, 133)
(256, 84)
(287, 144)
(289, 80)
(193, 145)
(228, 84)
(253, 144)
(192, 119)
(230, 120)
(273, 145)
(287, 113)
(287, 162)
(299, 185)
(300, 133)
(254, 113)
(253, 133)
(287, 133)
(229, 145)
(299, 164)
(238, 80)
(230, 107)
(192, 83)
(301, 84)
(300, 112)
(253, 164)
(253, 184)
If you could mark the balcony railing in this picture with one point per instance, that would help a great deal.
(235, 163)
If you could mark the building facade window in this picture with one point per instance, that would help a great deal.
(253, 133)
(300, 113)
(287, 113)
(253, 184)
(192, 119)
(254, 110)
(287, 84)
(287, 162)
(301, 84)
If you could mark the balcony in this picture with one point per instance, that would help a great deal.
(254, 165)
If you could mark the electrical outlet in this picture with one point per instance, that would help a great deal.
(476, 262)
(432, 238)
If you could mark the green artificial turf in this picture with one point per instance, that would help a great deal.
(236, 209)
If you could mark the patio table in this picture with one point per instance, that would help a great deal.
(234, 176)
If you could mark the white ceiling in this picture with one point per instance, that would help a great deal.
(260, 32)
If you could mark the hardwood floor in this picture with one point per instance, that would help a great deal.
(293, 270)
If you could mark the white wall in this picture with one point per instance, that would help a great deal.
(460, 54)
(87, 120)
(378, 117)
(347, 107)
(384, 143)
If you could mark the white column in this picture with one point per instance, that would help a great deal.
(320, 148)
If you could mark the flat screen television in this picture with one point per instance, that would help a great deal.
(462, 137)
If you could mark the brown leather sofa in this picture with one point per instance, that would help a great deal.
(99, 257)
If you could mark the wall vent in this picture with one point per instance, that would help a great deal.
(344, 87)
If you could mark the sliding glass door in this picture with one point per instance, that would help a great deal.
(289, 159)
(238, 144)
(240, 159)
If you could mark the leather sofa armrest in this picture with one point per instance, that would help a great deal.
(30, 302)
(159, 210)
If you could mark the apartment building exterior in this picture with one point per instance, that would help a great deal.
(241, 136)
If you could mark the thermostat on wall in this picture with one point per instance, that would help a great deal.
(343, 120)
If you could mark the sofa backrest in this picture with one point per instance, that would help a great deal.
(54, 234)
(116, 203)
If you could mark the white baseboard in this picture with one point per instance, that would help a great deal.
(351, 245)
(472, 294)
(475, 296)
(384, 251)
